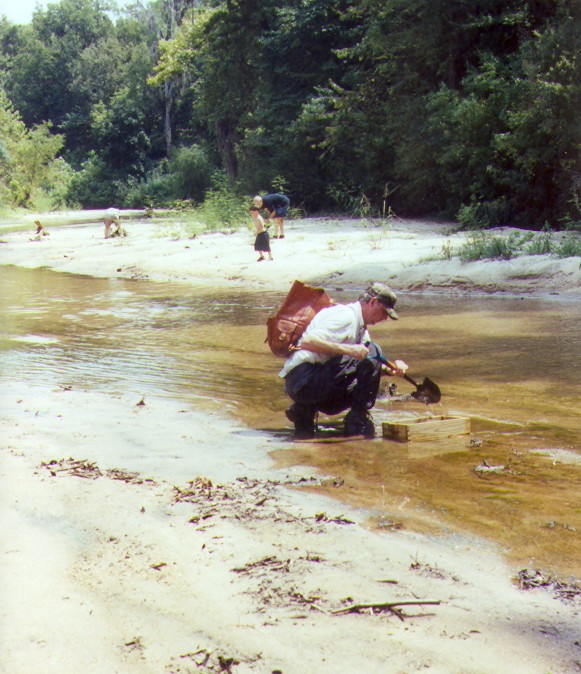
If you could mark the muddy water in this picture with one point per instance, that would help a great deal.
(512, 365)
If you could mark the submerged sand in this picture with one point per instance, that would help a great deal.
(130, 569)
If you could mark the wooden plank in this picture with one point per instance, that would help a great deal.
(426, 428)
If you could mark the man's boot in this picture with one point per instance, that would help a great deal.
(303, 417)
(359, 423)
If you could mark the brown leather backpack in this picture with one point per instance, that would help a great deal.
(284, 329)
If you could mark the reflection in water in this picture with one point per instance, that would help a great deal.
(513, 365)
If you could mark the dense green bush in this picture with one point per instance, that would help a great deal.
(192, 172)
(484, 215)
(92, 187)
(225, 208)
(157, 190)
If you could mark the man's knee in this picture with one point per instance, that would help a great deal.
(368, 370)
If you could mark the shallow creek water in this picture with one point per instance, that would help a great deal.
(513, 365)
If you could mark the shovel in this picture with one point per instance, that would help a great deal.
(427, 392)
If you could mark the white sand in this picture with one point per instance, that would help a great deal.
(101, 575)
(324, 251)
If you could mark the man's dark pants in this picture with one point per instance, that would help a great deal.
(334, 386)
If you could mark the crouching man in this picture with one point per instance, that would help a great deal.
(336, 367)
(112, 222)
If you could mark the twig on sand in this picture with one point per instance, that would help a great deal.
(389, 607)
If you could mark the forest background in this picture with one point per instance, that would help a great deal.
(456, 109)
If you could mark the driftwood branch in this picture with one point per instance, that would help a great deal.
(391, 607)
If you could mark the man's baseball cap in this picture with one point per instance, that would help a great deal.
(386, 296)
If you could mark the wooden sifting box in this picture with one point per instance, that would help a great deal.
(426, 428)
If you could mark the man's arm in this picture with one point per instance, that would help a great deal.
(317, 345)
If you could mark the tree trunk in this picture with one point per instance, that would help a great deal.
(226, 138)
(167, 95)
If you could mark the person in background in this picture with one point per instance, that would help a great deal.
(277, 206)
(262, 241)
(112, 218)
(337, 366)
(40, 231)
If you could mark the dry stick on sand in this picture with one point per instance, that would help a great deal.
(392, 607)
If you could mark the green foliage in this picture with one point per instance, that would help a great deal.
(447, 251)
(482, 246)
(279, 185)
(57, 183)
(463, 105)
(120, 131)
(483, 215)
(293, 56)
(92, 186)
(73, 64)
(185, 177)
(543, 244)
(28, 165)
(349, 200)
(467, 110)
(569, 247)
(192, 172)
(571, 225)
(110, 172)
(156, 190)
(224, 207)
(572, 220)
(40, 78)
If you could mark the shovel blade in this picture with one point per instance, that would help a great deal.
(427, 392)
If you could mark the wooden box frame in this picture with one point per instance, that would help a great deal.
(426, 428)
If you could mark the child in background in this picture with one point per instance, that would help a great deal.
(40, 231)
(262, 242)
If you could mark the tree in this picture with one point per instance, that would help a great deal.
(215, 51)
(27, 156)
(40, 78)
(298, 54)
(508, 140)
(163, 19)
(456, 104)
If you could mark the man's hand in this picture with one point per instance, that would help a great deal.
(399, 370)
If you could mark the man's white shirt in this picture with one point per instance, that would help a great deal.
(340, 324)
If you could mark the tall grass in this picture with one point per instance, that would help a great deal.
(484, 245)
(224, 208)
(569, 247)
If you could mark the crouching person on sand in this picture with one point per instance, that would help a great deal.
(113, 223)
(336, 366)
(40, 231)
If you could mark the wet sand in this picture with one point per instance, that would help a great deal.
(125, 568)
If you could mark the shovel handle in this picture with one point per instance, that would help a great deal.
(393, 367)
